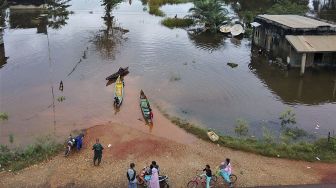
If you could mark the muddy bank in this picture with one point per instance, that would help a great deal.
(177, 160)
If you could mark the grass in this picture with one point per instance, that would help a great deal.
(3, 116)
(17, 159)
(303, 150)
(177, 22)
(154, 5)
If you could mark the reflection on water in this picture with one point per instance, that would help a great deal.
(106, 40)
(58, 13)
(55, 16)
(316, 88)
(207, 40)
(26, 19)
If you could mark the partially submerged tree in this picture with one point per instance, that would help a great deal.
(211, 13)
(58, 13)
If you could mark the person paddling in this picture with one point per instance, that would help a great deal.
(98, 152)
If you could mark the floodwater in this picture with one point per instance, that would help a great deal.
(183, 73)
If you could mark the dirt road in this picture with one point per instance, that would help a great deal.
(178, 160)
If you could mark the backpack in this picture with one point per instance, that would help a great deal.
(131, 179)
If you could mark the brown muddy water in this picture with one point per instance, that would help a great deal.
(185, 74)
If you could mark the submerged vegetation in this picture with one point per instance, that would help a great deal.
(177, 22)
(61, 99)
(3, 116)
(154, 5)
(267, 145)
(211, 13)
(17, 159)
(242, 127)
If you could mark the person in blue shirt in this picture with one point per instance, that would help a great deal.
(79, 141)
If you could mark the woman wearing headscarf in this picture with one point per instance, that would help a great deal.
(154, 181)
(226, 171)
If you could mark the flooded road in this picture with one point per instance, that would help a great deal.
(184, 74)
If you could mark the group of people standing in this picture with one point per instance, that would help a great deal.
(149, 174)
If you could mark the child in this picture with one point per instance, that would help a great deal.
(208, 174)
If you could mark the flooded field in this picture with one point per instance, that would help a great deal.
(184, 74)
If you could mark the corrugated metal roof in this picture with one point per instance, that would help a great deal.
(313, 43)
(295, 21)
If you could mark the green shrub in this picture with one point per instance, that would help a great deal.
(177, 22)
(287, 117)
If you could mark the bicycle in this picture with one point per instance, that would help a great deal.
(200, 180)
(233, 177)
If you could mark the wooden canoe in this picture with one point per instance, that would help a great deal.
(120, 72)
(118, 92)
(145, 107)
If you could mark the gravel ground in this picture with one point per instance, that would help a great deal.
(177, 160)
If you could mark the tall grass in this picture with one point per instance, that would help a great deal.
(302, 150)
(17, 159)
(154, 5)
(177, 22)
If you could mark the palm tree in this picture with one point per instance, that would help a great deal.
(209, 12)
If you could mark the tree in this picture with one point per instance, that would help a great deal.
(58, 13)
(289, 7)
(209, 12)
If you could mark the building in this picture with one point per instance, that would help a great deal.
(297, 40)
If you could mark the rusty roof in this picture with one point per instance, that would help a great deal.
(313, 43)
(295, 21)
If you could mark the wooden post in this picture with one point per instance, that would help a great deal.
(303, 63)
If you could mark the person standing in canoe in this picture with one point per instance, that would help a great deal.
(98, 152)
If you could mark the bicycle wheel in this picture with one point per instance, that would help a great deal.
(139, 180)
(212, 182)
(214, 178)
(233, 178)
(165, 185)
(192, 184)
